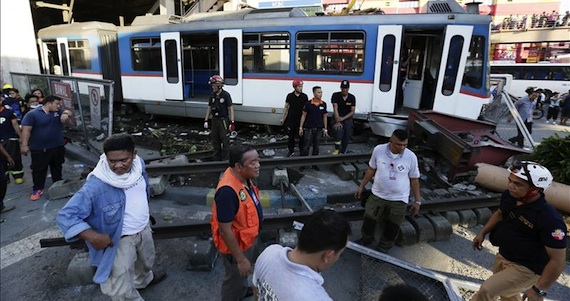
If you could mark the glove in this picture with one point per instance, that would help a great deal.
(232, 127)
(205, 124)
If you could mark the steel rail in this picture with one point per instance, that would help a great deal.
(217, 166)
(354, 213)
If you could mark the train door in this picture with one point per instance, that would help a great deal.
(386, 76)
(172, 79)
(63, 51)
(415, 74)
(231, 56)
(451, 69)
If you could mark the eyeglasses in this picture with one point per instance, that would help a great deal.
(517, 166)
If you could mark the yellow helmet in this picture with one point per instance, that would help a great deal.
(7, 86)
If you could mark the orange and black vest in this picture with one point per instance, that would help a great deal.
(245, 225)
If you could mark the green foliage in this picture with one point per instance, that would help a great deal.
(554, 153)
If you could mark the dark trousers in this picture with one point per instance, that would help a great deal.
(388, 214)
(552, 113)
(234, 286)
(519, 139)
(3, 189)
(343, 136)
(220, 138)
(13, 148)
(311, 137)
(41, 160)
(293, 132)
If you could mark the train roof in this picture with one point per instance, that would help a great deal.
(249, 18)
(432, 7)
(77, 28)
(244, 14)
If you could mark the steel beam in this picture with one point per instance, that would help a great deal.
(217, 166)
(270, 222)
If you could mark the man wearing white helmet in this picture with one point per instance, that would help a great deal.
(530, 235)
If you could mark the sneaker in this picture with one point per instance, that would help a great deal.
(290, 154)
(547, 122)
(19, 180)
(8, 208)
(316, 168)
(36, 195)
(554, 123)
(335, 152)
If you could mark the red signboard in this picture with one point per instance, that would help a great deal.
(63, 91)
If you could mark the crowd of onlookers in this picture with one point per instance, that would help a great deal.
(554, 19)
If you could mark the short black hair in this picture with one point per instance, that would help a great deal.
(37, 89)
(400, 134)
(51, 98)
(237, 152)
(324, 230)
(30, 95)
(402, 292)
(315, 88)
(119, 142)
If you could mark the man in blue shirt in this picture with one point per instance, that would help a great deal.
(42, 136)
(111, 214)
(525, 106)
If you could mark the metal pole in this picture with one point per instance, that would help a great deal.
(300, 197)
(111, 102)
(77, 94)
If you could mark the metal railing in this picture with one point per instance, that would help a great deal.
(90, 100)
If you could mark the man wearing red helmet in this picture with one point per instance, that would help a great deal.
(530, 235)
(292, 112)
(222, 112)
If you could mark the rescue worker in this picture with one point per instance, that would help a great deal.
(236, 218)
(292, 115)
(344, 104)
(222, 112)
(530, 235)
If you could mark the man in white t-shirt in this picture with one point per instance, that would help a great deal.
(395, 171)
(282, 273)
(111, 214)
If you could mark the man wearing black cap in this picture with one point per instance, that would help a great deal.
(343, 105)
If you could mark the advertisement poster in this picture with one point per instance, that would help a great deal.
(95, 106)
(63, 91)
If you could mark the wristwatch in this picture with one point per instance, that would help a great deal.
(539, 291)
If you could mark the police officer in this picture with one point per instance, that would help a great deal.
(222, 112)
(344, 104)
(530, 235)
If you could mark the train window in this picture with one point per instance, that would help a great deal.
(473, 76)
(452, 65)
(339, 52)
(266, 52)
(79, 54)
(387, 67)
(145, 54)
(171, 53)
(230, 61)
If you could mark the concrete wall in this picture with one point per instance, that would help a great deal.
(18, 49)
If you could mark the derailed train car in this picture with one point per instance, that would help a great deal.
(433, 60)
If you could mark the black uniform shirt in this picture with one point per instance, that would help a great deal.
(315, 112)
(344, 106)
(296, 104)
(219, 104)
(528, 229)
